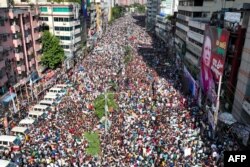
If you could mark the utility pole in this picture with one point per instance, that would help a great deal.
(106, 111)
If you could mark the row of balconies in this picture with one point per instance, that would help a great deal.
(194, 8)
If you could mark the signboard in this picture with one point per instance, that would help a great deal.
(212, 59)
(233, 17)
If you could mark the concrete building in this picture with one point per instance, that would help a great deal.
(192, 17)
(152, 11)
(241, 104)
(64, 22)
(20, 45)
(130, 2)
(163, 26)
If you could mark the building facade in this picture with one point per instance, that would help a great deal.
(130, 2)
(20, 45)
(192, 17)
(153, 7)
(163, 26)
(64, 22)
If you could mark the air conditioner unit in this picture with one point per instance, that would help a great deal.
(64, 23)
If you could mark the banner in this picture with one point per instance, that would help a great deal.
(213, 59)
(84, 9)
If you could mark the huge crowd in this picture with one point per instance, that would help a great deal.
(155, 125)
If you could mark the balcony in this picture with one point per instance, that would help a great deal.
(37, 36)
(38, 47)
(18, 56)
(194, 48)
(3, 80)
(77, 31)
(15, 28)
(194, 8)
(77, 22)
(78, 39)
(20, 68)
(196, 36)
(28, 38)
(2, 64)
(26, 26)
(32, 62)
(246, 106)
(182, 26)
(183, 17)
(17, 42)
(36, 24)
(189, 57)
(181, 35)
(12, 14)
(197, 24)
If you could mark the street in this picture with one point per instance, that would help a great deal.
(155, 123)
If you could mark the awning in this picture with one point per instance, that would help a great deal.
(7, 98)
(227, 118)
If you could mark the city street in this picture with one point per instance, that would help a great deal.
(154, 125)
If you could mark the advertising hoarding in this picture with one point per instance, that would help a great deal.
(213, 59)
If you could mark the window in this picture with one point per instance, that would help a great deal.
(67, 38)
(61, 19)
(65, 46)
(1, 22)
(62, 9)
(77, 35)
(43, 9)
(79, 26)
(63, 28)
(44, 18)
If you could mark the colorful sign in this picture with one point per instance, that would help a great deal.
(212, 59)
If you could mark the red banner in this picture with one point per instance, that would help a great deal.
(213, 58)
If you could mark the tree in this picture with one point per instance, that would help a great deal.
(128, 55)
(99, 104)
(53, 53)
(117, 11)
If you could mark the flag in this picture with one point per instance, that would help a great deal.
(84, 9)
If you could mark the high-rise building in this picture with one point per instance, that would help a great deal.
(130, 2)
(152, 11)
(163, 26)
(192, 17)
(64, 22)
(20, 45)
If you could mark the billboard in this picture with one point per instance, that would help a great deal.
(212, 59)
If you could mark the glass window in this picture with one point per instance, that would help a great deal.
(60, 19)
(62, 9)
(66, 19)
(43, 9)
(56, 19)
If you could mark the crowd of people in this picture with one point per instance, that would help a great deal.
(154, 125)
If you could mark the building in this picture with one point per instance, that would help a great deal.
(241, 103)
(130, 2)
(163, 26)
(20, 45)
(192, 17)
(152, 11)
(92, 26)
(63, 20)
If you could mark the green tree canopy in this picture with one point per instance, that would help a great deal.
(117, 11)
(53, 53)
(99, 104)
